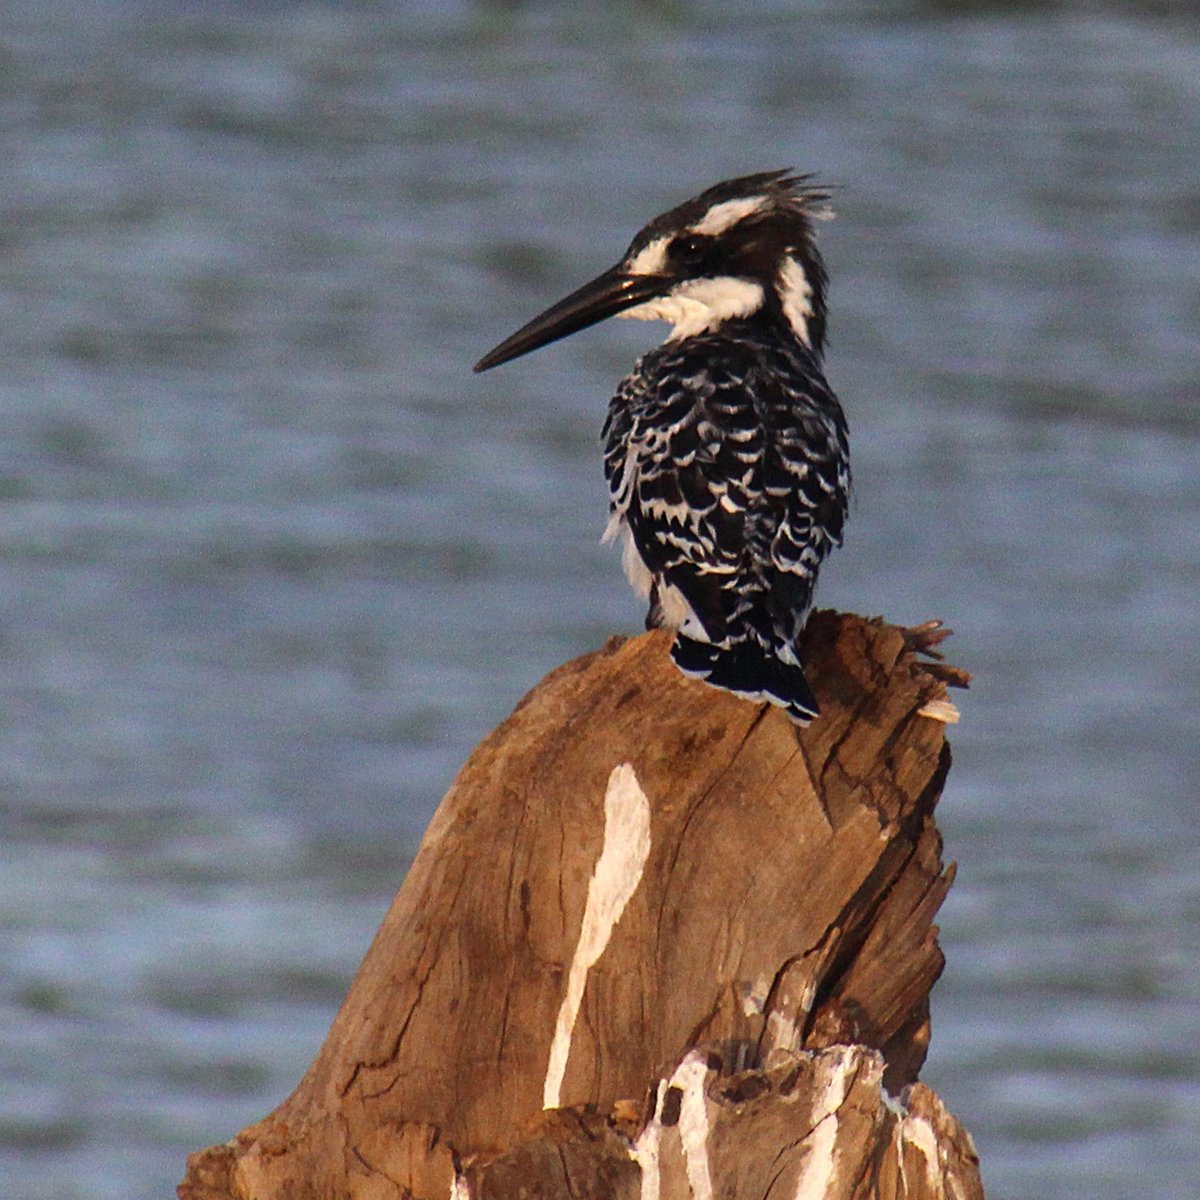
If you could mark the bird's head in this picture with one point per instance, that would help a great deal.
(742, 248)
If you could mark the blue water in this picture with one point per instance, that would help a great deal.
(272, 560)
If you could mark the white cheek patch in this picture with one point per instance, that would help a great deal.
(700, 304)
(725, 296)
(795, 297)
(724, 216)
(651, 259)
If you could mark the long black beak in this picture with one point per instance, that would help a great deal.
(605, 296)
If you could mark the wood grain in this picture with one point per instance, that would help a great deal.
(635, 876)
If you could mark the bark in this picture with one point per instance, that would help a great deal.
(656, 942)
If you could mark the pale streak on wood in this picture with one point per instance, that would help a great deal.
(754, 998)
(645, 1150)
(692, 1127)
(783, 1031)
(817, 1174)
(459, 1188)
(617, 873)
(918, 1132)
(940, 710)
(693, 1123)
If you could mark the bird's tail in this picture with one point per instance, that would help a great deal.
(749, 670)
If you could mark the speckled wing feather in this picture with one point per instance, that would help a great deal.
(727, 465)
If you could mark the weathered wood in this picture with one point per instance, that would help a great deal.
(700, 938)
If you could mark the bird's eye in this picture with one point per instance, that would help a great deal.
(689, 250)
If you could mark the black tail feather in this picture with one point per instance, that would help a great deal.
(747, 670)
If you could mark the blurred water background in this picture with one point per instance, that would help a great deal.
(272, 560)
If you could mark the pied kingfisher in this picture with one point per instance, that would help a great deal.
(725, 450)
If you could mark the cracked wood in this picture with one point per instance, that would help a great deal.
(783, 905)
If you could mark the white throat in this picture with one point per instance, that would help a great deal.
(700, 305)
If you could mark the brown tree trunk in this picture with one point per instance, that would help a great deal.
(656, 943)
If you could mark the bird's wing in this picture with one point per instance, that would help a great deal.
(806, 480)
(733, 488)
(684, 453)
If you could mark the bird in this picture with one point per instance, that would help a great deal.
(725, 450)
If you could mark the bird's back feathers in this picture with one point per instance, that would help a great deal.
(726, 461)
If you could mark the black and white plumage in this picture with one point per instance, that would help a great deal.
(725, 450)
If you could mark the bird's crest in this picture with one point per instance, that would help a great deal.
(717, 209)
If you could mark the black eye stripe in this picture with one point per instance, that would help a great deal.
(689, 248)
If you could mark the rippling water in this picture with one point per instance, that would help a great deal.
(272, 560)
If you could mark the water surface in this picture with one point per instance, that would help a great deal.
(272, 560)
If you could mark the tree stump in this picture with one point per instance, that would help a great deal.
(656, 943)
